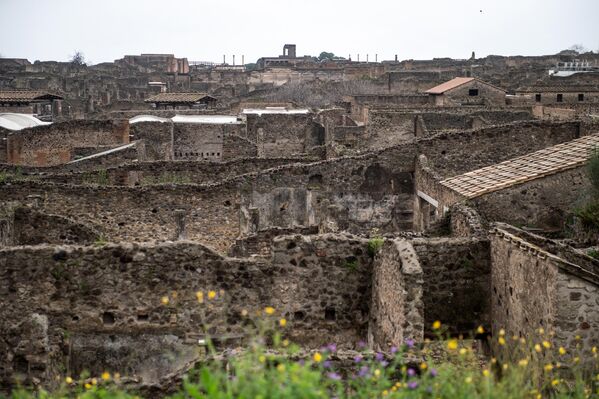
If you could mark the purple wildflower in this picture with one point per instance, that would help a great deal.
(332, 347)
(410, 343)
(413, 384)
(301, 362)
(384, 363)
(361, 344)
(364, 370)
(326, 364)
(434, 373)
(358, 359)
(334, 376)
(411, 372)
(393, 350)
(379, 356)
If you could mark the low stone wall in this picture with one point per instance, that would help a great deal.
(99, 308)
(397, 309)
(466, 222)
(457, 282)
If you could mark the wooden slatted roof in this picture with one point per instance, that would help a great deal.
(531, 166)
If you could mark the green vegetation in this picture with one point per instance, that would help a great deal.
(531, 368)
(593, 253)
(589, 212)
(99, 177)
(374, 244)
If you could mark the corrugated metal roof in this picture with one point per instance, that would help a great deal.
(531, 166)
(24, 96)
(178, 98)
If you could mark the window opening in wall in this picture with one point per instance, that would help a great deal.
(560, 98)
(581, 97)
(473, 92)
(538, 98)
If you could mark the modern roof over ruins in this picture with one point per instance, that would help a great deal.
(181, 98)
(454, 83)
(531, 166)
(12, 121)
(26, 96)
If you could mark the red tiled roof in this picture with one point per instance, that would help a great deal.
(453, 83)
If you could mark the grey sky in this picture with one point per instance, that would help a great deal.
(204, 30)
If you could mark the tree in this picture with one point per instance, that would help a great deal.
(326, 56)
(78, 58)
(579, 48)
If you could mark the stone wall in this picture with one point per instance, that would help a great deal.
(537, 283)
(99, 307)
(397, 308)
(157, 137)
(195, 141)
(53, 144)
(279, 135)
(542, 203)
(487, 95)
(465, 222)
(451, 154)
(457, 282)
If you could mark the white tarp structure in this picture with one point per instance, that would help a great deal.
(13, 121)
(206, 119)
(274, 110)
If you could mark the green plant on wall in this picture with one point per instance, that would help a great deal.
(373, 246)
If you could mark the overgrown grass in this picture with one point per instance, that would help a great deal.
(272, 367)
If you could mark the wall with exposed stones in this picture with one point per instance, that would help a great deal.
(544, 203)
(539, 283)
(397, 308)
(70, 312)
(202, 140)
(53, 144)
(457, 282)
(157, 137)
(491, 145)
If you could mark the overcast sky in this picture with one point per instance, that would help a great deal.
(204, 30)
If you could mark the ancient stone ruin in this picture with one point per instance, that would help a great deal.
(362, 209)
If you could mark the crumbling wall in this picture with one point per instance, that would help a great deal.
(99, 307)
(31, 228)
(534, 287)
(397, 309)
(157, 137)
(465, 222)
(457, 282)
(235, 147)
(202, 140)
(451, 154)
(544, 203)
(53, 144)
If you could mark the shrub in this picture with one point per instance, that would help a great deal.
(589, 215)
(374, 244)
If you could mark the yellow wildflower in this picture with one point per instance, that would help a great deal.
(211, 294)
(555, 382)
(262, 359)
(285, 342)
(539, 396)
(493, 360)
(523, 363)
(546, 344)
(88, 385)
(578, 338)
(480, 330)
(423, 366)
(174, 294)
(280, 367)
(164, 300)
(398, 384)
(541, 331)
(501, 332)
(538, 348)
(68, 380)
(200, 296)
(468, 380)
(463, 351)
(106, 376)
(377, 372)
(562, 350)
(505, 366)
(282, 322)
(94, 381)
(436, 325)
(576, 360)
(269, 310)
(486, 373)
(548, 367)
(385, 392)
(317, 357)
(594, 349)
(452, 344)
(394, 388)
(501, 341)
(523, 340)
